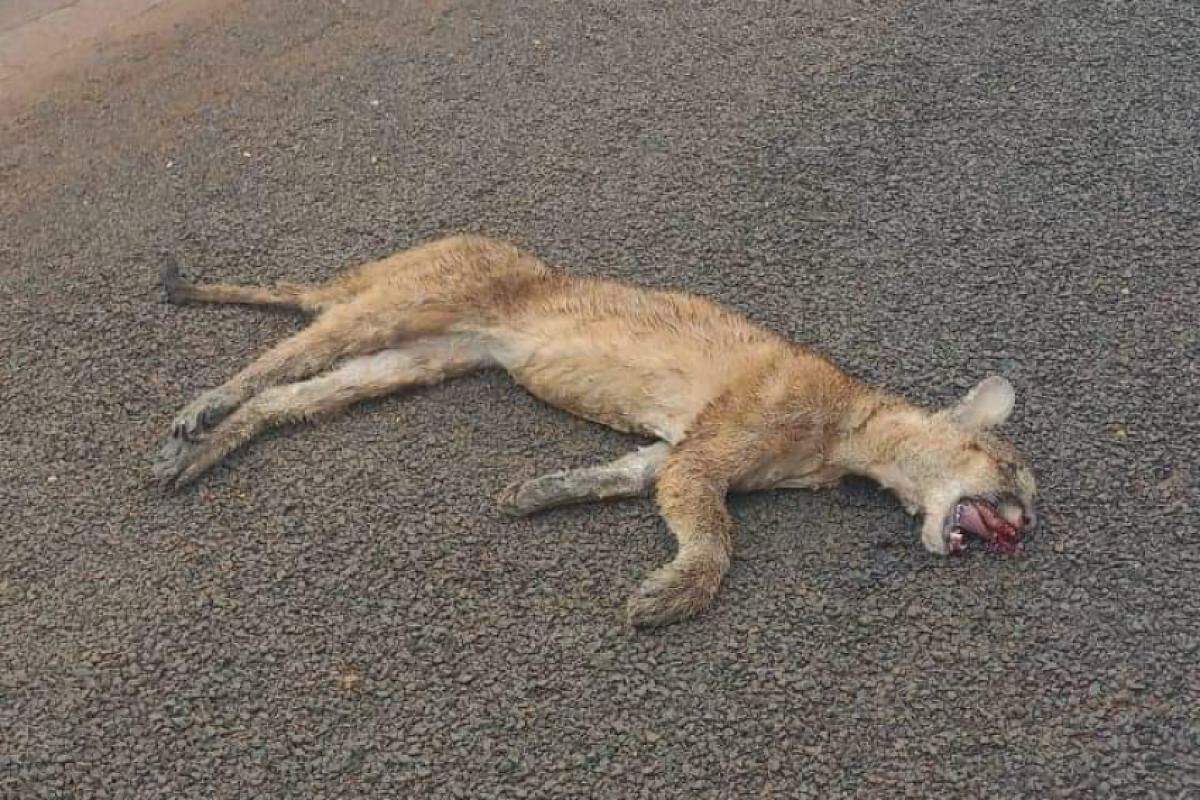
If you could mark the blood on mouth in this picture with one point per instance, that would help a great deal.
(981, 519)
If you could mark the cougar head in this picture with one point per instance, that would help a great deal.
(976, 483)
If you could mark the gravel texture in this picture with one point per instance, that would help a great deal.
(927, 191)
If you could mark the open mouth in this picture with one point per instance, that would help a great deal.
(980, 518)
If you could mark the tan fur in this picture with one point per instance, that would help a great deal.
(736, 407)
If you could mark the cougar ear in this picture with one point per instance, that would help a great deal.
(987, 405)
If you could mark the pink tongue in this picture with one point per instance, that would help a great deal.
(971, 520)
(981, 520)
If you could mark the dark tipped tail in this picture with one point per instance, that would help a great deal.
(297, 297)
(172, 282)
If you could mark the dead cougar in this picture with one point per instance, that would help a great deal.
(734, 407)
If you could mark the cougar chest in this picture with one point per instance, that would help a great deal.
(793, 470)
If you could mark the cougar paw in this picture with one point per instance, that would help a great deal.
(172, 459)
(195, 468)
(671, 594)
(509, 500)
(538, 494)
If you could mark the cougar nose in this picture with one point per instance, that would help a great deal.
(1028, 520)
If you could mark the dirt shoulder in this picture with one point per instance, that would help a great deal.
(47, 42)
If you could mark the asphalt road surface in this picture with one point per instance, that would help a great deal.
(926, 191)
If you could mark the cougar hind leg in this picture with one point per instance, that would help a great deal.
(349, 329)
(420, 293)
(424, 362)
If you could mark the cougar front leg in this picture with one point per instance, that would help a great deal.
(630, 476)
(691, 497)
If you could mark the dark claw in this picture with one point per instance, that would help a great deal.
(199, 415)
(182, 431)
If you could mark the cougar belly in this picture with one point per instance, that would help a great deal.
(649, 388)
